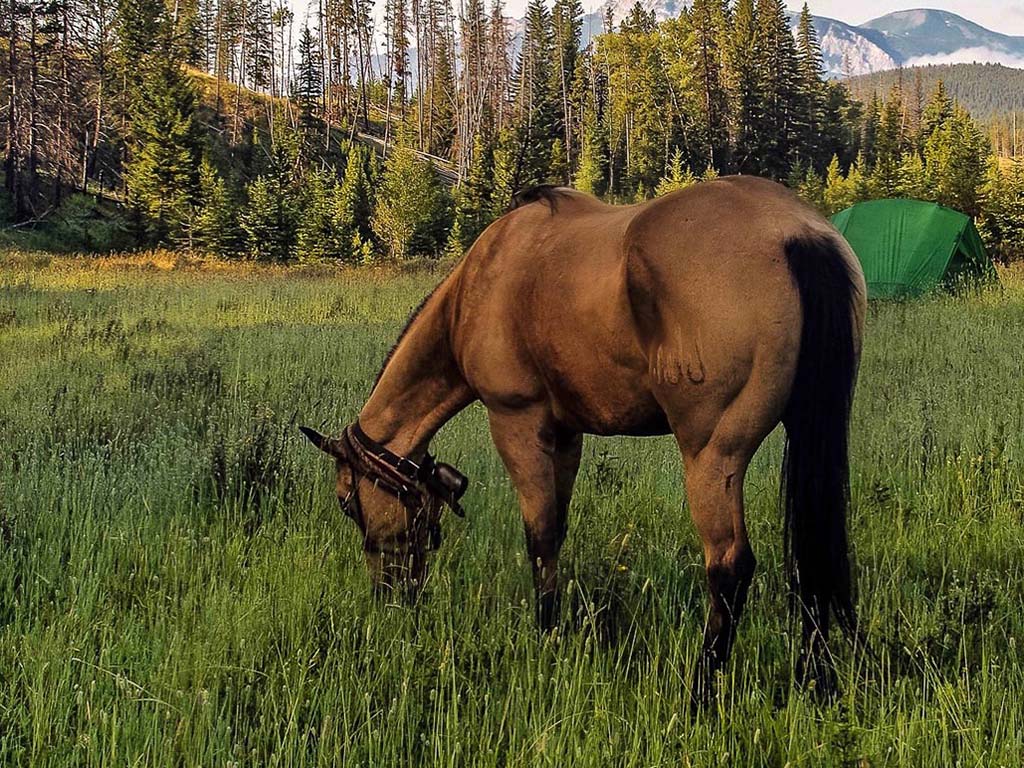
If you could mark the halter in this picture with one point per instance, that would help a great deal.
(401, 477)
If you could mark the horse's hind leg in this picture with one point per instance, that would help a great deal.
(542, 462)
(714, 488)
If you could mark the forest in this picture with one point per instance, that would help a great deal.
(230, 128)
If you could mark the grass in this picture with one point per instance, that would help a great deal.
(178, 586)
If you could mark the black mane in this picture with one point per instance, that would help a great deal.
(548, 193)
(405, 329)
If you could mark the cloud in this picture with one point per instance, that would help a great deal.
(980, 54)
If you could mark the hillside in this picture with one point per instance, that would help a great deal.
(985, 90)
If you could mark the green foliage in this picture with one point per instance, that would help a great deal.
(216, 230)
(353, 210)
(1001, 223)
(413, 209)
(162, 171)
(269, 220)
(590, 174)
(955, 155)
(677, 177)
(317, 237)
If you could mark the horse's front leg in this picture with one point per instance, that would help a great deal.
(542, 462)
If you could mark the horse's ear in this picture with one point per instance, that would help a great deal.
(328, 445)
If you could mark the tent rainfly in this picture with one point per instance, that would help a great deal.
(908, 247)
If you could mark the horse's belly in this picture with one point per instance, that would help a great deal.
(606, 403)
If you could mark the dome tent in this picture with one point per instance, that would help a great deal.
(908, 247)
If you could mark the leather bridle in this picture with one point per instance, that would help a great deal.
(410, 482)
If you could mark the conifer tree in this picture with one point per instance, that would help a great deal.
(590, 174)
(316, 238)
(216, 229)
(677, 176)
(711, 118)
(812, 90)
(162, 172)
(744, 85)
(778, 80)
(353, 208)
(412, 214)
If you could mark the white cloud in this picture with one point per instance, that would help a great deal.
(970, 56)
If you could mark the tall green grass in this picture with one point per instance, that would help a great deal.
(178, 586)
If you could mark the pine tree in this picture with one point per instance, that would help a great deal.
(473, 208)
(412, 214)
(308, 91)
(216, 229)
(316, 238)
(536, 102)
(745, 86)
(778, 80)
(567, 28)
(811, 137)
(937, 112)
(590, 174)
(162, 172)
(707, 82)
(838, 193)
(677, 176)
(353, 210)
(955, 155)
(912, 177)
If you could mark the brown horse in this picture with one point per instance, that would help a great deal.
(712, 314)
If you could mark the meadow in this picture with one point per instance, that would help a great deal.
(179, 587)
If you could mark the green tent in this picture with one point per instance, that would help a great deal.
(908, 247)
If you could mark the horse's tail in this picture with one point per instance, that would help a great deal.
(816, 462)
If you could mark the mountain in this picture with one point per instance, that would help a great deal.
(940, 37)
(850, 50)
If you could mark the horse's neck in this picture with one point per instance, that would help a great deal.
(420, 388)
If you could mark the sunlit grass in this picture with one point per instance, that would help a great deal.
(178, 587)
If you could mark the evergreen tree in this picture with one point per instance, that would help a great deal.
(778, 81)
(938, 111)
(744, 84)
(955, 155)
(353, 209)
(567, 29)
(316, 237)
(678, 176)
(872, 127)
(308, 91)
(536, 102)
(912, 177)
(162, 171)
(838, 193)
(590, 174)
(1001, 223)
(811, 136)
(268, 221)
(473, 209)
(412, 214)
(216, 230)
(711, 118)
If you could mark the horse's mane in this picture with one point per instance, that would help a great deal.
(405, 329)
(548, 193)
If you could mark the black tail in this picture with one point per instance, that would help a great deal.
(816, 465)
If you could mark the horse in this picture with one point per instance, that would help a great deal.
(711, 314)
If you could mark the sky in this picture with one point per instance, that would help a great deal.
(1005, 16)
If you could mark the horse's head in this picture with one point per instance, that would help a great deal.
(395, 501)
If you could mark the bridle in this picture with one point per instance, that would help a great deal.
(413, 484)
